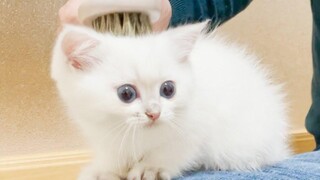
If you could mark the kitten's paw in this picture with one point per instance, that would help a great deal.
(89, 173)
(144, 173)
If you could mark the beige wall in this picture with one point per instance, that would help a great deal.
(31, 118)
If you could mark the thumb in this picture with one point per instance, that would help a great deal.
(68, 13)
(165, 17)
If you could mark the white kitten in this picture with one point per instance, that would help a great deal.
(165, 103)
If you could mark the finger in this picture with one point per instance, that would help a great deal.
(69, 12)
(165, 16)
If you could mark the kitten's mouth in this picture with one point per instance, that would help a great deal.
(151, 124)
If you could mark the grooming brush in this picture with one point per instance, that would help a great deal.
(120, 17)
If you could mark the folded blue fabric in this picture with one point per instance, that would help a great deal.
(303, 166)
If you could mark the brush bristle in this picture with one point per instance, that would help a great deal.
(123, 24)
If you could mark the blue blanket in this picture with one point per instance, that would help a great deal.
(303, 166)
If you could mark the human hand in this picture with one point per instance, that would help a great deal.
(165, 17)
(69, 14)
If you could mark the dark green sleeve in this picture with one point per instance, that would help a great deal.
(219, 11)
(313, 117)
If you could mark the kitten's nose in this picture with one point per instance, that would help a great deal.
(153, 116)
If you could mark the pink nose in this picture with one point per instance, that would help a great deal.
(153, 116)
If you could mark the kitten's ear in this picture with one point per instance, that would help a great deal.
(77, 45)
(186, 36)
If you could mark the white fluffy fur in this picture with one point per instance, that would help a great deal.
(226, 113)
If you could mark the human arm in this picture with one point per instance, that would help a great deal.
(175, 12)
(218, 11)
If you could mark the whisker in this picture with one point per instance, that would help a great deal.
(176, 128)
(123, 129)
(133, 144)
(137, 122)
(124, 137)
(114, 129)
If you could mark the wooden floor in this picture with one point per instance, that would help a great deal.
(67, 165)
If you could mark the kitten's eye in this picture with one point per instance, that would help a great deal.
(167, 89)
(127, 93)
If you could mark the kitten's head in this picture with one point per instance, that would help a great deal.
(135, 80)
